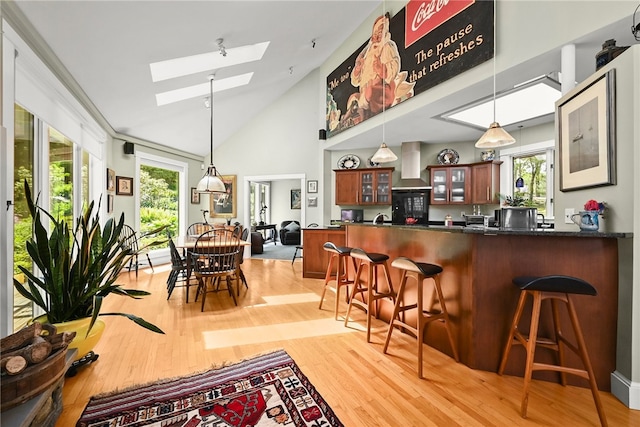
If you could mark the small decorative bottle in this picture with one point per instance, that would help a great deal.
(448, 220)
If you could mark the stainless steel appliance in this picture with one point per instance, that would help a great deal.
(410, 205)
(352, 215)
(518, 218)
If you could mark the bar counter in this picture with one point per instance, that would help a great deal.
(479, 265)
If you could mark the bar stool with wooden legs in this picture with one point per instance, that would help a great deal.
(368, 287)
(553, 288)
(419, 272)
(338, 258)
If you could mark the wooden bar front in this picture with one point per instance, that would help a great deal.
(481, 299)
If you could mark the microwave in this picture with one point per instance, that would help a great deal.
(352, 215)
(519, 218)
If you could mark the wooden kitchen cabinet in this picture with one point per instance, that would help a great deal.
(314, 258)
(485, 182)
(371, 186)
(450, 185)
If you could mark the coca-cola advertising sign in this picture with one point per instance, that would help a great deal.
(422, 16)
(423, 45)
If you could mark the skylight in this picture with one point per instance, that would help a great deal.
(527, 101)
(187, 65)
(200, 90)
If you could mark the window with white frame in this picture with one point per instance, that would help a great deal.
(527, 174)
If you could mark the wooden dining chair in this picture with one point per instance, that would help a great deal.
(178, 273)
(129, 240)
(197, 228)
(215, 256)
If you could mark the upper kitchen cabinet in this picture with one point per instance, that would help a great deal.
(475, 183)
(450, 184)
(370, 186)
(485, 182)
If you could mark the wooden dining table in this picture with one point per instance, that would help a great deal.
(188, 243)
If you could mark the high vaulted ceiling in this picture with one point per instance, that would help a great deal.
(107, 47)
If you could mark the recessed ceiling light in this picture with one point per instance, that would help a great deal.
(526, 101)
(200, 90)
(186, 65)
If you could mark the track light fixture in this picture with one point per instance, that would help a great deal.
(221, 47)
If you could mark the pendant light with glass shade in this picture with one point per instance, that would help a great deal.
(495, 136)
(211, 182)
(384, 153)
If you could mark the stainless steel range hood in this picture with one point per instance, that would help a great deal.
(410, 173)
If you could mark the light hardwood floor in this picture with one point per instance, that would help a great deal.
(363, 386)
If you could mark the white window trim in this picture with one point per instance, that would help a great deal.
(506, 168)
(143, 158)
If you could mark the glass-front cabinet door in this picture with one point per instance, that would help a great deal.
(450, 185)
(459, 185)
(375, 187)
(366, 187)
(383, 187)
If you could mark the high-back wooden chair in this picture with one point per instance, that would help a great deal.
(129, 240)
(197, 228)
(215, 256)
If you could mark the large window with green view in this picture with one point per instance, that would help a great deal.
(23, 148)
(159, 201)
(531, 172)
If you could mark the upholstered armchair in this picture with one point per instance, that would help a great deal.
(290, 232)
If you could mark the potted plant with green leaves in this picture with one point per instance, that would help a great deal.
(77, 267)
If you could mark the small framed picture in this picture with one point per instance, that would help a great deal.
(296, 199)
(195, 196)
(111, 180)
(312, 186)
(110, 203)
(124, 186)
(313, 202)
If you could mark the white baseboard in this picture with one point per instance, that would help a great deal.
(628, 392)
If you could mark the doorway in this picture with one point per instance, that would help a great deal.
(247, 213)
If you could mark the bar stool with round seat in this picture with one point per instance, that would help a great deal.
(419, 272)
(556, 289)
(368, 287)
(338, 258)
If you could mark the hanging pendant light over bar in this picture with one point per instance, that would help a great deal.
(211, 182)
(495, 136)
(384, 153)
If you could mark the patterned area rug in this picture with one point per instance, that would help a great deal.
(267, 390)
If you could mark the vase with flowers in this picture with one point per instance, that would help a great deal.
(587, 219)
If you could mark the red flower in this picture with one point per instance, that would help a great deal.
(593, 205)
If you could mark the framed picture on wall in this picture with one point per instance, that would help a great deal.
(195, 196)
(312, 186)
(124, 186)
(313, 202)
(587, 136)
(224, 205)
(109, 203)
(296, 199)
(111, 180)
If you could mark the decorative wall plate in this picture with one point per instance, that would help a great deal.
(349, 161)
(448, 157)
(372, 164)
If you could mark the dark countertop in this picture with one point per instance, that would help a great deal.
(491, 231)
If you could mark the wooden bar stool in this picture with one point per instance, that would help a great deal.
(553, 288)
(368, 287)
(338, 257)
(419, 271)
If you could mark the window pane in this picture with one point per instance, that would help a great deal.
(533, 171)
(23, 169)
(60, 176)
(158, 201)
(86, 173)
